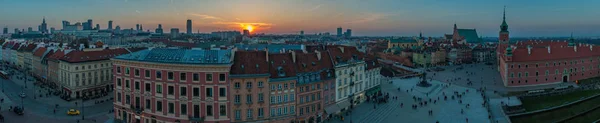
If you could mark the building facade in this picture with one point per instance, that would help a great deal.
(283, 88)
(250, 92)
(173, 85)
(314, 70)
(349, 67)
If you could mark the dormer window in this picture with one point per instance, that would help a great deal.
(280, 71)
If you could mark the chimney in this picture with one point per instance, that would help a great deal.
(549, 50)
(529, 49)
(575, 47)
(591, 48)
(293, 57)
(318, 55)
(267, 53)
(341, 49)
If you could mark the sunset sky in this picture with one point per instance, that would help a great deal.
(364, 17)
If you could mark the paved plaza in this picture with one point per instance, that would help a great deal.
(443, 111)
(42, 109)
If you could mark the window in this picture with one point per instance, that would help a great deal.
(159, 106)
(248, 84)
(118, 81)
(209, 110)
(147, 104)
(196, 92)
(147, 86)
(249, 98)
(285, 98)
(285, 86)
(272, 87)
(260, 84)
(272, 99)
(237, 85)
(159, 89)
(118, 69)
(170, 75)
(171, 108)
(196, 77)
(272, 112)
(183, 91)
(222, 110)
(170, 90)
(158, 74)
(182, 76)
(237, 114)
(137, 85)
(249, 114)
(261, 112)
(136, 72)
(237, 99)
(126, 70)
(209, 92)
(183, 109)
(209, 77)
(221, 77)
(260, 97)
(126, 83)
(118, 97)
(292, 108)
(147, 73)
(292, 97)
(222, 92)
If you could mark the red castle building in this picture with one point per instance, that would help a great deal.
(536, 62)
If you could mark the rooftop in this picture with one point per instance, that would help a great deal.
(273, 48)
(403, 40)
(180, 56)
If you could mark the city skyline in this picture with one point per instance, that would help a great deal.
(376, 18)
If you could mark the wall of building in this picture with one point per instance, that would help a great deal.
(255, 108)
(524, 73)
(282, 109)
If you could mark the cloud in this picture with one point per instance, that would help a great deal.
(137, 11)
(260, 25)
(315, 8)
(371, 17)
(205, 16)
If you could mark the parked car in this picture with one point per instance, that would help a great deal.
(73, 112)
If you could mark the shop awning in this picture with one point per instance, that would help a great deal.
(344, 104)
(332, 109)
(373, 90)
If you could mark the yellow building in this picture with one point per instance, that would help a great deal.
(404, 42)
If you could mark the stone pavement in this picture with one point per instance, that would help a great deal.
(443, 111)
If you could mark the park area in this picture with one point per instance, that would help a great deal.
(585, 110)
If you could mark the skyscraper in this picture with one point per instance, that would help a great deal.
(43, 27)
(110, 25)
(137, 27)
(348, 33)
(5, 30)
(189, 26)
(159, 30)
(174, 32)
(97, 27)
(339, 32)
(16, 30)
(301, 32)
(141, 28)
(88, 25)
(246, 32)
(117, 29)
(29, 29)
(52, 29)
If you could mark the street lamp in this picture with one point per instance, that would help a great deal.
(82, 109)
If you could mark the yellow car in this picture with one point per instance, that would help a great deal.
(73, 112)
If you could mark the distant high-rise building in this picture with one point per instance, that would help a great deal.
(339, 32)
(52, 30)
(174, 32)
(246, 32)
(348, 33)
(159, 30)
(65, 24)
(43, 28)
(117, 29)
(189, 26)
(141, 28)
(97, 27)
(110, 25)
(301, 32)
(88, 25)
(29, 29)
(137, 27)
(16, 30)
(5, 30)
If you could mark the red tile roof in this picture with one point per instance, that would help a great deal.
(348, 53)
(16, 46)
(283, 60)
(7, 44)
(40, 52)
(85, 56)
(56, 55)
(253, 62)
(309, 62)
(558, 51)
(29, 48)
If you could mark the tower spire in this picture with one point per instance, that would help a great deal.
(504, 14)
(44, 19)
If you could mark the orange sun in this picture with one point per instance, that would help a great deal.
(249, 28)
